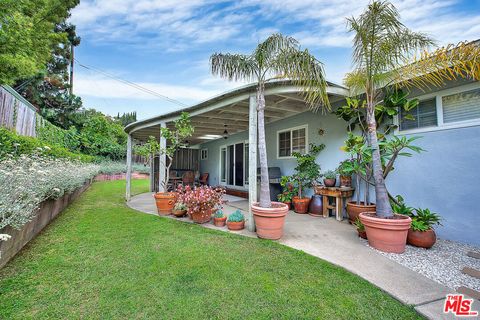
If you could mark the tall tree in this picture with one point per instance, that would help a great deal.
(27, 32)
(386, 53)
(280, 57)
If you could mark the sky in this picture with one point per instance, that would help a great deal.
(165, 45)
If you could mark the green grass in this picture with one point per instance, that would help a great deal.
(102, 260)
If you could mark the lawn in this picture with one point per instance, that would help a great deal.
(102, 260)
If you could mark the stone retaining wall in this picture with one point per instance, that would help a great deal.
(45, 214)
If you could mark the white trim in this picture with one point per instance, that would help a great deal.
(305, 126)
(439, 104)
(206, 154)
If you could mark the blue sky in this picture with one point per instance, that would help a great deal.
(164, 45)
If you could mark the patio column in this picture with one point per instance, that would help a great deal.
(252, 159)
(162, 161)
(129, 168)
(152, 178)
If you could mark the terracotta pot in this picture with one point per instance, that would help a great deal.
(269, 221)
(199, 217)
(362, 234)
(219, 222)
(329, 182)
(300, 205)
(354, 209)
(179, 213)
(289, 204)
(345, 181)
(316, 205)
(235, 225)
(388, 235)
(422, 239)
(165, 202)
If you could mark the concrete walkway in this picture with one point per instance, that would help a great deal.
(338, 243)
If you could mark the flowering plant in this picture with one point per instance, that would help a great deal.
(202, 199)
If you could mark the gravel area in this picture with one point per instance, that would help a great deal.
(442, 263)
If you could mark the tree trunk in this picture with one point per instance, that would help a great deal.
(384, 209)
(265, 201)
(357, 180)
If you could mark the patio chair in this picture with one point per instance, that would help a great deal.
(188, 178)
(172, 183)
(203, 181)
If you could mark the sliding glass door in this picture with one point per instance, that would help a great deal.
(233, 160)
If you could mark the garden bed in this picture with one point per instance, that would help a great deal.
(47, 211)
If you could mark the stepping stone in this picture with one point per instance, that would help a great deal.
(469, 292)
(473, 254)
(471, 272)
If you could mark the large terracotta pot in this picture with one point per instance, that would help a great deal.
(165, 202)
(329, 182)
(345, 181)
(316, 205)
(235, 225)
(388, 235)
(300, 205)
(201, 217)
(354, 209)
(270, 221)
(219, 222)
(422, 239)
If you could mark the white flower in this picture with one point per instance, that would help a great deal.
(4, 237)
(46, 148)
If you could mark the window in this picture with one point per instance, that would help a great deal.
(292, 140)
(204, 154)
(423, 115)
(461, 106)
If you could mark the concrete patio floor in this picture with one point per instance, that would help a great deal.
(338, 243)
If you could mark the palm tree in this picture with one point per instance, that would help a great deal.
(280, 57)
(386, 53)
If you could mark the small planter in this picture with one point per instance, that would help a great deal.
(201, 217)
(235, 225)
(300, 205)
(388, 235)
(354, 210)
(270, 221)
(362, 234)
(165, 202)
(179, 213)
(219, 222)
(346, 181)
(329, 182)
(422, 239)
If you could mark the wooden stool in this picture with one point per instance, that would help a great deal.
(341, 195)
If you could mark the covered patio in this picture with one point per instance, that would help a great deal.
(235, 112)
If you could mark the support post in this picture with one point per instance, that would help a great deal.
(252, 160)
(162, 161)
(152, 178)
(129, 168)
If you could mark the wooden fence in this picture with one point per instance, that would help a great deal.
(16, 112)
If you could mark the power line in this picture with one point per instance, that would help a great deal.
(131, 84)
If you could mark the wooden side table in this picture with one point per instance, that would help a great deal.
(341, 195)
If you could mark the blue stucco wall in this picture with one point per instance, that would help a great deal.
(443, 179)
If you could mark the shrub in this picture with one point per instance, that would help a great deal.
(12, 144)
(116, 167)
(237, 216)
(28, 180)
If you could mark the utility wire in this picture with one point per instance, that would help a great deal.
(131, 84)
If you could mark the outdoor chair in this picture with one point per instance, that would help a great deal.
(188, 178)
(203, 181)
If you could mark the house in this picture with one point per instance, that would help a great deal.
(444, 178)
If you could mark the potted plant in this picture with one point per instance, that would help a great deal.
(345, 173)
(285, 197)
(277, 56)
(175, 138)
(288, 191)
(360, 229)
(180, 209)
(421, 233)
(202, 202)
(236, 221)
(379, 61)
(306, 174)
(219, 218)
(329, 178)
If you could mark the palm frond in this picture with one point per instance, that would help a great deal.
(266, 51)
(234, 66)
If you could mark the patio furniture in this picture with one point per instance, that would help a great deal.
(203, 181)
(341, 194)
(188, 178)
(173, 180)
